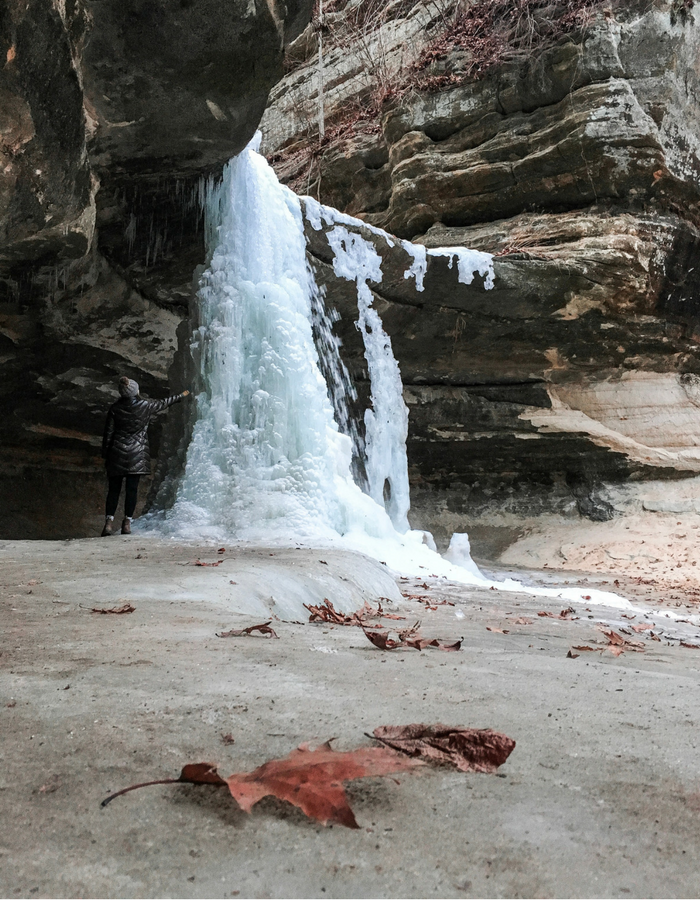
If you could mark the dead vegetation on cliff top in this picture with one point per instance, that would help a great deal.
(470, 39)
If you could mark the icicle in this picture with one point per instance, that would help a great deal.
(469, 262)
(386, 423)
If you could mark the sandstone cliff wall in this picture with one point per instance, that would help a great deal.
(111, 111)
(580, 169)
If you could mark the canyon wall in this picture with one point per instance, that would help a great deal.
(111, 113)
(572, 388)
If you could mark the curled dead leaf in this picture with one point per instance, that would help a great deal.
(567, 613)
(617, 644)
(383, 641)
(467, 749)
(263, 628)
(326, 612)
(411, 638)
(497, 630)
(115, 610)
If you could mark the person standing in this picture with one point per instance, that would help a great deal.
(125, 448)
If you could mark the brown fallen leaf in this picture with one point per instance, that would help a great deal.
(115, 610)
(198, 562)
(450, 648)
(653, 636)
(567, 613)
(613, 637)
(221, 550)
(627, 616)
(617, 644)
(411, 638)
(326, 612)
(640, 628)
(522, 620)
(571, 655)
(467, 749)
(263, 628)
(312, 780)
(584, 648)
(228, 739)
(383, 641)
(690, 646)
(497, 630)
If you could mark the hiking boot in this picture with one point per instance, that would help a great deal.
(126, 526)
(107, 530)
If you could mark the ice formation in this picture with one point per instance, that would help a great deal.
(386, 423)
(267, 460)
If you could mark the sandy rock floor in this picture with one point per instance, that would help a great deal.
(662, 550)
(600, 798)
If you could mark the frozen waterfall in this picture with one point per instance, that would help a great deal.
(267, 460)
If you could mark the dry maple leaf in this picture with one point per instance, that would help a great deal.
(263, 628)
(115, 610)
(312, 780)
(467, 749)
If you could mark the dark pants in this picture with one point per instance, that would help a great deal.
(115, 487)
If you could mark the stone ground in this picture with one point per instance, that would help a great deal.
(600, 798)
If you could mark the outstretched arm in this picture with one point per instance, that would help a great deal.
(157, 406)
(108, 435)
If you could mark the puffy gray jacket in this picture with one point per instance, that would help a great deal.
(125, 441)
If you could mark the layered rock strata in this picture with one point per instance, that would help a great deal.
(578, 373)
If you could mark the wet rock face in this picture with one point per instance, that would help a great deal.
(575, 377)
(46, 190)
(111, 112)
